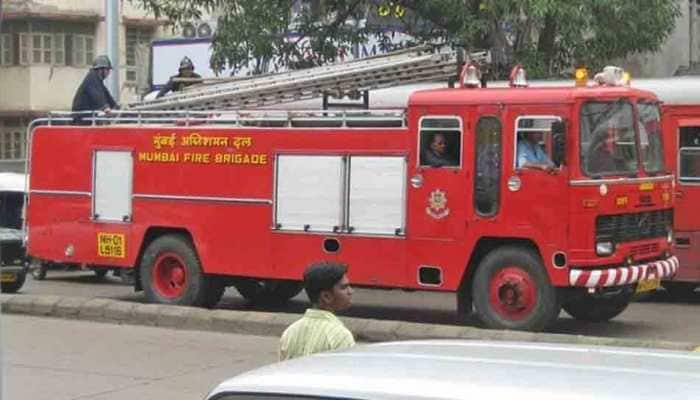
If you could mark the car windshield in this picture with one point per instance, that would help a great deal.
(608, 145)
(650, 137)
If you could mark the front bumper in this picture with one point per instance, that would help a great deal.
(596, 278)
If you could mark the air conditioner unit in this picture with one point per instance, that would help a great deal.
(204, 30)
(188, 30)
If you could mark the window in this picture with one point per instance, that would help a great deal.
(488, 166)
(83, 50)
(137, 44)
(608, 145)
(440, 142)
(41, 42)
(689, 154)
(6, 56)
(650, 136)
(12, 143)
(533, 147)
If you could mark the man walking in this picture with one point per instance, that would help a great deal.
(329, 291)
(92, 95)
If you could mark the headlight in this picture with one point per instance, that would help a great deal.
(604, 248)
(669, 236)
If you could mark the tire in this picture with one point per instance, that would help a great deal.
(100, 273)
(598, 308)
(13, 287)
(215, 293)
(511, 290)
(171, 273)
(268, 291)
(681, 290)
(38, 271)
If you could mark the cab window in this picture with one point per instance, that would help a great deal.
(534, 141)
(440, 142)
(488, 166)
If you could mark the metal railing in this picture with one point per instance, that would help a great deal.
(378, 118)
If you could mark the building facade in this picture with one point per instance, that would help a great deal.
(47, 47)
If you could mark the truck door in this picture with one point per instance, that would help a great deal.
(437, 187)
(537, 184)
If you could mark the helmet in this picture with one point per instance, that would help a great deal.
(102, 62)
(186, 63)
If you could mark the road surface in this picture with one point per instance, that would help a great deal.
(661, 319)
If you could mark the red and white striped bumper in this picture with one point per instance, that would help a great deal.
(594, 278)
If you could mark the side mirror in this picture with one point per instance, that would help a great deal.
(559, 143)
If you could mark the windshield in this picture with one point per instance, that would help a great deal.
(608, 145)
(650, 137)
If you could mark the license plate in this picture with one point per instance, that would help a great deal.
(648, 285)
(8, 277)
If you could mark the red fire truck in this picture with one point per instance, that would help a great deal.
(520, 200)
(681, 131)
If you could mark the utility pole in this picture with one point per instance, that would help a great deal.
(112, 19)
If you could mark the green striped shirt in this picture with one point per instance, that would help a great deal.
(317, 331)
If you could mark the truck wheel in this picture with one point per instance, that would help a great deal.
(598, 308)
(681, 290)
(38, 270)
(268, 291)
(171, 273)
(100, 273)
(511, 290)
(13, 287)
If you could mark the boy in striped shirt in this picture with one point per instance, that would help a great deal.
(329, 291)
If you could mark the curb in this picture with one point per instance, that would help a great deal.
(273, 324)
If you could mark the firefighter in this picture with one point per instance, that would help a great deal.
(92, 95)
(438, 154)
(186, 71)
(602, 157)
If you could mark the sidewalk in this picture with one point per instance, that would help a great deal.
(272, 324)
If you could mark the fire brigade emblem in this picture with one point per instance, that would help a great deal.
(437, 205)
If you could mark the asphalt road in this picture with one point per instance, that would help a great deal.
(47, 358)
(659, 318)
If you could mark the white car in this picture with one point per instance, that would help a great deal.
(474, 370)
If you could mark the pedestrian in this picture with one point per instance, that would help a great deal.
(186, 71)
(92, 95)
(319, 330)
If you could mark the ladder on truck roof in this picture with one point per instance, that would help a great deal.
(407, 66)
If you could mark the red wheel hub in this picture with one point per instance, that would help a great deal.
(169, 275)
(512, 293)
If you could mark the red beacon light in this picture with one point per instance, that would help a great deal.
(518, 77)
(470, 76)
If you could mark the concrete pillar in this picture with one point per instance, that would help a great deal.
(112, 20)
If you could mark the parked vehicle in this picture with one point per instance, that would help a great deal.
(13, 260)
(251, 198)
(472, 370)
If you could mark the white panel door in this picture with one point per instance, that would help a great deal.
(377, 195)
(309, 192)
(112, 185)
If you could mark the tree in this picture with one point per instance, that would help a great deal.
(547, 36)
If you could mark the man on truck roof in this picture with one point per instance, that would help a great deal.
(92, 95)
(186, 71)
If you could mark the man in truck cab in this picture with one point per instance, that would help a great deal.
(602, 155)
(438, 153)
(530, 154)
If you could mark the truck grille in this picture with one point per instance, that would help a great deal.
(631, 227)
(12, 253)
